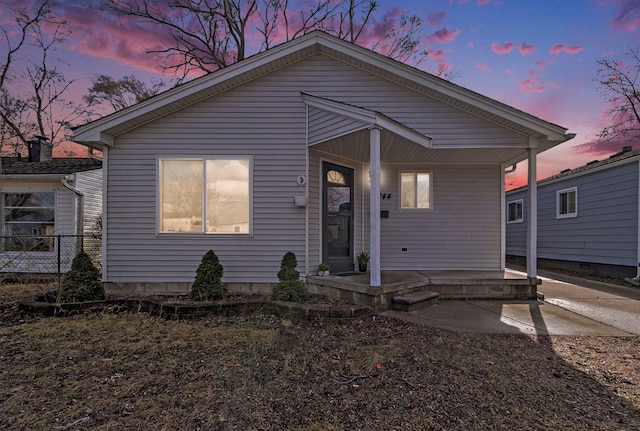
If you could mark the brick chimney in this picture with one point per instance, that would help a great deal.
(40, 150)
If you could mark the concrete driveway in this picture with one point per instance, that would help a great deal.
(571, 306)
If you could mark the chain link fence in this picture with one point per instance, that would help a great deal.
(45, 256)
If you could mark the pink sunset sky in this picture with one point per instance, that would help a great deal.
(538, 56)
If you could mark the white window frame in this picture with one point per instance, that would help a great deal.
(3, 229)
(204, 160)
(415, 208)
(559, 195)
(521, 218)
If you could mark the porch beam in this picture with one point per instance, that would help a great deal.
(532, 213)
(374, 210)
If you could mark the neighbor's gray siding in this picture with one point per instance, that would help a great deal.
(266, 119)
(516, 233)
(606, 228)
(90, 184)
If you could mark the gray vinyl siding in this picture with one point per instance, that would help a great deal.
(460, 232)
(324, 125)
(516, 242)
(606, 228)
(90, 184)
(266, 120)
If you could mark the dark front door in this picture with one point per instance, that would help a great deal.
(337, 247)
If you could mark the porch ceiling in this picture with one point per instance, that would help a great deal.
(396, 149)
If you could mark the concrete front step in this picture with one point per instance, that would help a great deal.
(414, 301)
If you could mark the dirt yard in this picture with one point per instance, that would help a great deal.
(127, 370)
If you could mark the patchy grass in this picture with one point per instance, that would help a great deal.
(133, 371)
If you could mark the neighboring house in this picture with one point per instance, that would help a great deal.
(47, 206)
(587, 218)
(316, 146)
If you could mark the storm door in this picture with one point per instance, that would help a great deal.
(337, 247)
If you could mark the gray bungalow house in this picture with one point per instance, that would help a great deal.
(316, 146)
(48, 205)
(588, 219)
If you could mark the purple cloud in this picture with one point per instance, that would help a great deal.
(532, 85)
(483, 67)
(435, 18)
(502, 49)
(525, 49)
(559, 48)
(443, 35)
(628, 17)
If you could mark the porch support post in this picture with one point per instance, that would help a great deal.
(374, 207)
(532, 213)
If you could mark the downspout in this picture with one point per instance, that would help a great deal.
(637, 277)
(306, 219)
(80, 209)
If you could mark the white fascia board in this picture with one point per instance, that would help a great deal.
(162, 100)
(402, 130)
(552, 131)
(87, 133)
(367, 116)
(344, 109)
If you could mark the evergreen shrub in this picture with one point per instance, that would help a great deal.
(208, 285)
(82, 283)
(290, 287)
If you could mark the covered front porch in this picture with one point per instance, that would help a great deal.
(356, 288)
(462, 227)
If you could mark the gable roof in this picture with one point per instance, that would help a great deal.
(57, 166)
(103, 131)
(627, 155)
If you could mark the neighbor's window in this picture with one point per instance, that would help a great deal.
(415, 189)
(567, 203)
(214, 190)
(29, 221)
(514, 211)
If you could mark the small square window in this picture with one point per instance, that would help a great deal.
(415, 190)
(567, 203)
(515, 211)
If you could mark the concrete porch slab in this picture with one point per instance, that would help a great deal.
(355, 287)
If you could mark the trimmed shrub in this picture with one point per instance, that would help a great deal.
(208, 285)
(290, 287)
(288, 267)
(82, 282)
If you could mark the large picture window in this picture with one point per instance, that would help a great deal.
(29, 221)
(415, 190)
(216, 191)
(567, 203)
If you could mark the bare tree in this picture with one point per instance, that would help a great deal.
(120, 93)
(206, 35)
(619, 82)
(32, 91)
